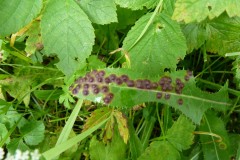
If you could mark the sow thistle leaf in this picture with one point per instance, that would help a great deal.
(100, 11)
(15, 14)
(137, 4)
(160, 150)
(180, 135)
(214, 147)
(67, 32)
(198, 10)
(114, 87)
(161, 47)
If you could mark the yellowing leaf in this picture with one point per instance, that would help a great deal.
(198, 10)
(122, 125)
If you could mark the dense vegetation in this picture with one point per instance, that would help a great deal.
(120, 79)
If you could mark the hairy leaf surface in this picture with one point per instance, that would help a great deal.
(100, 11)
(67, 32)
(161, 47)
(190, 100)
(15, 14)
(137, 4)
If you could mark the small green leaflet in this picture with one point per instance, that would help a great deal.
(177, 90)
(15, 14)
(198, 10)
(67, 32)
(137, 4)
(162, 46)
(100, 11)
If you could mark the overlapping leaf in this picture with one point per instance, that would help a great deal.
(190, 100)
(100, 11)
(137, 4)
(220, 35)
(214, 147)
(198, 10)
(161, 47)
(180, 135)
(15, 14)
(67, 32)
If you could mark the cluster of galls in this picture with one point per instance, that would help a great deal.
(97, 81)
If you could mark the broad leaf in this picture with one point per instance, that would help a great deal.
(198, 10)
(33, 132)
(137, 4)
(17, 143)
(214, 147)
(178, 91)
(162, 46)
(180, 135)
(3, 132)
(160, 150)
(67, 32)
(196, 35)
(100, 11)
(114, 150)
(15, 14)
(223, 35)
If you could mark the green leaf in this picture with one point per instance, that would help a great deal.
(196, 35)
(190, 100)
(48, 94)
(223, 35)
(17, 143)
(15, 14)
(3, 132)
(100, 11)
(137, 4)
(180, 135)
(33, 132)
(214, 147)
(161, 47)
(236, 69)
(34, 41)
(95, 63)
(115, 150)
(67, 32)
(160, 150)
(136, 147)
(198, 10)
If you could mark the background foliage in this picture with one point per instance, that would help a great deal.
(117, 79)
